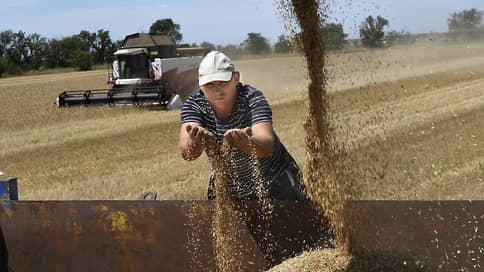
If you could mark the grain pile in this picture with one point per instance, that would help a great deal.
(337, 260)
(319, 260)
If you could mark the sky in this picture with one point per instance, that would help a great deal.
(220, 22)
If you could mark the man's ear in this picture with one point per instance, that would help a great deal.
(203, 91)
(236, 76)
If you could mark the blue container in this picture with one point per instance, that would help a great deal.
(8, 189)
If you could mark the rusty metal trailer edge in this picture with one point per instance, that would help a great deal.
(177, 235)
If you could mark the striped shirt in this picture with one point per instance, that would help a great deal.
(251, 108)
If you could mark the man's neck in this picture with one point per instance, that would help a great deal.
(224, 113)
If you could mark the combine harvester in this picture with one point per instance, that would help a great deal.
(147, 70)
(150, 235)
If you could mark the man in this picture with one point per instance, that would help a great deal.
(224, 110)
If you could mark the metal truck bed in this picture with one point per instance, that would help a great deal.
(155, 235)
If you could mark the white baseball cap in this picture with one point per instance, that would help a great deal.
(216, 66)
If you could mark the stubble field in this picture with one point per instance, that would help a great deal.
(417, 111)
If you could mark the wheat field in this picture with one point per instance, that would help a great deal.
(417, 111)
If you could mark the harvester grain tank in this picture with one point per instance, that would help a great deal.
(147, 70)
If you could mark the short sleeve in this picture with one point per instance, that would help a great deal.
(191, 111)
(259, 108)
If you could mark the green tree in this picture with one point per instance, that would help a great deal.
(464, 23)
(371, 31)
(81, 59)
(117, 45)
(231, 50)
(256, 44)
(334, 36)
(6, 39)
(86, 40)
(103, 46)
(70, 45)
(402, 37)
(37, 47)
(9, 67)
(283, 45)
(208, 45)
(14, 48)
(60, 52)
(54, 53)
(167, 27)
(3, 65)
(18, 51)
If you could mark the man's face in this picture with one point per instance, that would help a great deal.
(222, 93)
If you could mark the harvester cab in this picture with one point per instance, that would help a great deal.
(147, 70)
(133, 66)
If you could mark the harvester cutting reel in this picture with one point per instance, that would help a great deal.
(151, 95)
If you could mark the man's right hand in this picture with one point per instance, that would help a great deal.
(199, 136)
(194, 139)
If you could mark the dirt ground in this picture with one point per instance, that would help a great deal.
(424, 105)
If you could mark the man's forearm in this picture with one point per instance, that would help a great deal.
(258, 148)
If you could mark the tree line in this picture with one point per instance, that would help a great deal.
(465, 25)
(21, 52)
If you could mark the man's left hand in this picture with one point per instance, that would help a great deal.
(239, 138)
(257, 140)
